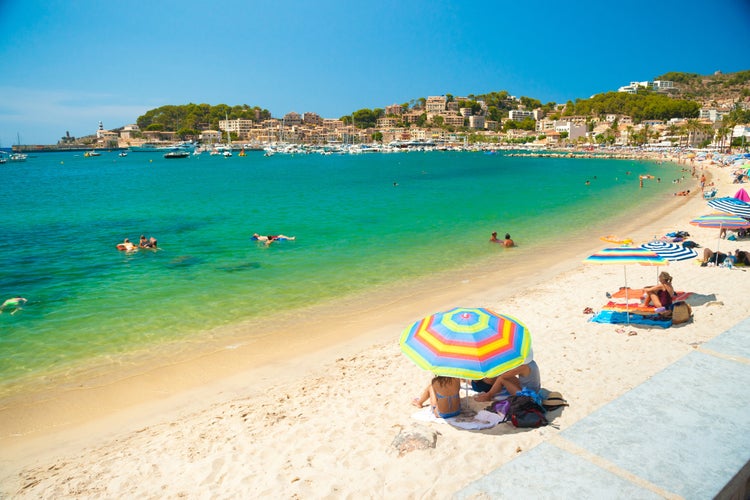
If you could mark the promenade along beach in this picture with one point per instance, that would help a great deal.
(217, 366)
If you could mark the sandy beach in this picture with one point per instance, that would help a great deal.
(317, 415)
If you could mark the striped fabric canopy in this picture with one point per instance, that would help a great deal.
(626, 255)
(724, 221)
(670, 251)
(731, 206)
(471, 343)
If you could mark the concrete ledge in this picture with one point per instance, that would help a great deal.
(684, 433)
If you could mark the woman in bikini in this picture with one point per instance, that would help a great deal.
(443, 393)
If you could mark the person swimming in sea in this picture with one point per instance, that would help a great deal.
(271, 238)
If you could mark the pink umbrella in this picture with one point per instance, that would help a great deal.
(742, 195)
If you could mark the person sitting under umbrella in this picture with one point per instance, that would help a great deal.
(659, 296)
(444, 396)
(525, 376)
(711, 257)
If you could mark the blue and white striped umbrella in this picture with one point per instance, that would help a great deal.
(731, 206)
(670, 251)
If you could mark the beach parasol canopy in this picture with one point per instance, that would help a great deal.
(471, 343)
(721, 221)
(731, 205)
(625, 256)
(670, 251)
(742, 195)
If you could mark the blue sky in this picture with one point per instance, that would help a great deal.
(68, 64)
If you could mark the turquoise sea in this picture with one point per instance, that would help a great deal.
(361, 222)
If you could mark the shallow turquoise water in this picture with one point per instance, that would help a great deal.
(355, 229)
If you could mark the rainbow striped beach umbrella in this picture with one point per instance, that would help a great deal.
(471, 343)
(721, 221)
(625, 256)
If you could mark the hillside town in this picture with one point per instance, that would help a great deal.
(442, 122)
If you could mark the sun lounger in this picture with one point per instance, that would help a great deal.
(707, 195)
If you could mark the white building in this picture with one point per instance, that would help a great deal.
(663, 85)
(239, 126)
(574, 130)
(711, 114)
(633, 87)
(519, 114)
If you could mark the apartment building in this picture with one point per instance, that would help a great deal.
(394, 110)
(241, 127)
(519, 114)
(476, 121)
(435, 104)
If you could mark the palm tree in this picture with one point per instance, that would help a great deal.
(672, 130)
(693, 126)
(729, 123)
(721, 132)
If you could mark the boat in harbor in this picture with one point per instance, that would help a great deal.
(91, 153)
(18, 157)
(176, 154)
(153, 147)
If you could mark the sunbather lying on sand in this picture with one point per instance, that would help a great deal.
(711, 257)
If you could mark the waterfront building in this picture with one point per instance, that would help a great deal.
(241, 127)
(332, 123)
(477, 122)
(209, 136)
(388, 122)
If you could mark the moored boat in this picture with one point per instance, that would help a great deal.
(176, 154)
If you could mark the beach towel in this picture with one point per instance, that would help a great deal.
(468, 420)
(621, 318)
(637, 293)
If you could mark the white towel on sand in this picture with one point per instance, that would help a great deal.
(469, 420)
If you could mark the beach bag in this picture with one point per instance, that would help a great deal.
(681, 312)
(500, 407)
(523, 411)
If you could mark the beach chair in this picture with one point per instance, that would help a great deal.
(708, 195)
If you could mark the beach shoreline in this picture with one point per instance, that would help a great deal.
(330, 368)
